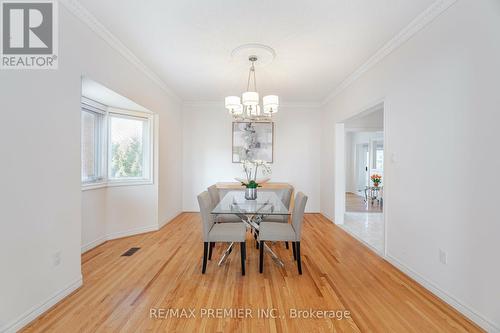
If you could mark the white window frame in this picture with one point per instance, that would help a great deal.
(104, 150)
(88, 105)
(148, 141)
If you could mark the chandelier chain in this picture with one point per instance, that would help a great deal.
(250, 71)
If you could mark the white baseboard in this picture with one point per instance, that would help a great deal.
(132, 232)
(473, 315)
(328, 217)
(119, 234)
(93, 244)
(359, 239)
(168, 220)
(39, 309)
(125, 233)
(480, 320)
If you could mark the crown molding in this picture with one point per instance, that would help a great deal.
(417, 24)
(221, 104)
(204, 103)
(91, 21)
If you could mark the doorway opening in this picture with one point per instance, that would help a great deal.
(359, 185)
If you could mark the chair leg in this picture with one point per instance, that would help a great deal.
(261, 257)
(294, 251)
(205, 255)
(286, 245)
(299, 261)
(210, 250)
(243, 255)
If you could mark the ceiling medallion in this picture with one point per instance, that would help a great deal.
(264, 53)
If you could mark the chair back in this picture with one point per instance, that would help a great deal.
(286, 196)
(298, 213)
(207, 219)
(214, 195)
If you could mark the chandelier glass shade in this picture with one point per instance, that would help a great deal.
(248, 108)
(271, 103)
(233, 104)
(250, 98)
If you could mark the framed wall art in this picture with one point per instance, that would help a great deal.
(253, 141)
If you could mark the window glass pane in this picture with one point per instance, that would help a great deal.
(380, 159)
(89, 146)
(127, 136)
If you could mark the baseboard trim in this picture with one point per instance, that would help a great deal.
(95, 243)
(127, 233)
(359, 239)
(132, 232)
(39, 309)
(116, 235)
(326, 216)
(164, 223)
(472, 315)
(458, 305)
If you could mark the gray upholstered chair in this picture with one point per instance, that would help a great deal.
(214, 194)
(215, 198)
(285, 195)
(277, 231)
(219, 232)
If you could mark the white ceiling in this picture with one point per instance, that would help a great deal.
(188, 43)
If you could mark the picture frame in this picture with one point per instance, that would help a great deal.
(252, 141)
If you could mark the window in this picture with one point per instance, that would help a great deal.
(378, 155)
(91, 141)
(128, 147)
(116, 145)
(379, 162)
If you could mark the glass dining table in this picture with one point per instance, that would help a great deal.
(252, 213)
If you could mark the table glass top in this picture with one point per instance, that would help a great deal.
(267, 203)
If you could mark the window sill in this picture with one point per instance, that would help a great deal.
(95, 186)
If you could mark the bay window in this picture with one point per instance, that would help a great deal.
(116, 145)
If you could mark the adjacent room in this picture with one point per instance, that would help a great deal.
(249, 166)
(364, 175)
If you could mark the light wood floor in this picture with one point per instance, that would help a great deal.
(339, 274)
(356, 203)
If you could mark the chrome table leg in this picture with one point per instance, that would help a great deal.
(226, 254)
(275, 258)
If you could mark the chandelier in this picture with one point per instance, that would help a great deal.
(247, 107)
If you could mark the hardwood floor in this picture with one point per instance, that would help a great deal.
(356, 203)
(338, 274)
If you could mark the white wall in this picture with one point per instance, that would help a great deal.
(372, 121)
(119, 211)
(170, 164)
(207, 142)
(94, 206)
(40, 200)
(441, 106)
